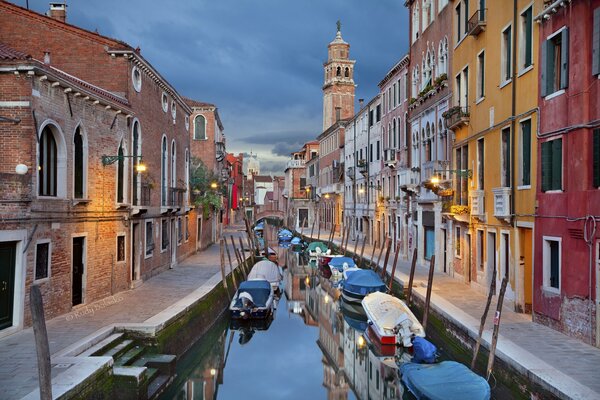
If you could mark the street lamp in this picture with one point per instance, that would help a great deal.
(108, 160)
(213, 185)
(465, 173)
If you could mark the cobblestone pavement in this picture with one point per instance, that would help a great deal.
(18, 362)
(566, 362)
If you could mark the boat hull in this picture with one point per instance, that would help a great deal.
(256, 313)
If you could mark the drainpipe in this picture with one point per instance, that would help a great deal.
(513, 113)
(354, 191)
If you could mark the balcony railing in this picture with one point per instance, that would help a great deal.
(477, 203)
(407, 178)
(435, 167)
(457, 117)
(501, 202)
(477, 23)
(175, 198)
(362, 166)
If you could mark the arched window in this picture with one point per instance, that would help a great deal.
(187, 175)
(137, 153)
(121, 175)
(164, 166)
(173, 165)
(347, 72)
(48, 169)
(415, 22)
(78, 165)
(394, 133)
(338, 71)
(200, 127)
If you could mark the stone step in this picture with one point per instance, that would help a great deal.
(157, 386)
(103, 346)
(116, 351)
(163, 362)
(152, 373)
(131, 356)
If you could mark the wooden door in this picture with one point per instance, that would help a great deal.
(7, 282)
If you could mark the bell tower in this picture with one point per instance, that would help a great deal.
(338, 88)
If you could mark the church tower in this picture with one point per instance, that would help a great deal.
(338, 89)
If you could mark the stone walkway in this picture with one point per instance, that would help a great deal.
(567, 367)
(18, 362)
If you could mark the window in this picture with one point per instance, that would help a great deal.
(552, 165)
(78, 167)
(187, 228)
(149, 238)
(480, 249)
(165, 102)
(481, 75)
(506, 58)
(371, 152)
(480, 164)
(552, 263)
(378, 150)
(462, 86)
(555, 62)
(415, 22)
(462, 162)
(164, 233)
(505, 160)
(47, 170)
(136, 78)
(370, 117)
(120, 248)
(200, 128)
(121, 175)
(42, 260)
(173, 109)
(525, 39)
(378, 113)
(457, 249)
(458, 22)
(596, 157)
(137, 152)
(505, 257)
(179, 231)
(395, 95)
(596, 43)
(525, 156)
(163, 180)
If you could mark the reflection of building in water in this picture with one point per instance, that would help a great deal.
(330, 342)
(207, 374)
(296, 282)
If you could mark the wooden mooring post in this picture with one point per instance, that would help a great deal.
(371, 264)
(235, 252)
(313, 226)
(223, 274)
(483, 318)
(347, 238)
(387, 257)
(413, 265)
(230, 265)
(243, 256)
(41, 342)
(429, 287)
(362, 251)
(394, 266)
(383, 243)
(496, 328)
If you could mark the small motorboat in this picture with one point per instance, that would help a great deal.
(315, 249)
(271, 254)
(269, 271)
(359, 283)
(392, 321)
(448, 380)
(253, 299)
(285, 235)
(338, 265)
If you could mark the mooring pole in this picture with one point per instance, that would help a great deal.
(384, 242)
(387, 257)
(362, 251)
(235, 252)
(429, 287)
(496, 327)
(243, 255)
(223, 266)
(230, 265)
(41, 342)
(371, 264)
(483, 318)
(394, 266)
(313, 226)
(411, 277)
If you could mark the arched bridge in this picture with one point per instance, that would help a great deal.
(270, 213)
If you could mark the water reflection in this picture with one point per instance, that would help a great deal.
(315, 347)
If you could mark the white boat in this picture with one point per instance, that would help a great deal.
(268, 271)
(391, 319)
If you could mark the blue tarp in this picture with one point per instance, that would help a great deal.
(423, 351)
(447, 380)
(284, 233)
(260, 290)
(296, 240)
(338, 263)
(260, 226)
(363, 282)
(313, 245)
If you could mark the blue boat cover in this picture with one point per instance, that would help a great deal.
(447, 380)
(260, 290)
(338, 262)
(260, 226)
(296, 240)
(285, 233)
(423, 351)
(363, 282)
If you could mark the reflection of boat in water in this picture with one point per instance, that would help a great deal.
(353, 310)
(315, 249)
(391, 319)
(447, 380)
(359, 283)
(285, 235)
(247, 327)
(253, 299)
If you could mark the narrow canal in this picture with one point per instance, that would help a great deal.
(315, 347)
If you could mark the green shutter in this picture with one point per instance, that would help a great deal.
(564, 59)
(545, 69)
(596, 157)
(546, 165)
(596, 43)
(528, 33)
(557, 164)
(526, 141)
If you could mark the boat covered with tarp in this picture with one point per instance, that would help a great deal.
(391, 319)
(285, 234)
(359, 283)
(316, 248)
(267, 270)
(253, 299)
(447, 380)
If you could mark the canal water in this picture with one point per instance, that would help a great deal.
(315, 347)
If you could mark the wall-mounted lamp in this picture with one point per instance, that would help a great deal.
(459, 172)
(108, 160)
(21, 169)
(213, 185)
(326, 195)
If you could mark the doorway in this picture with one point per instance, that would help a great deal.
(302, 218)
(173, 242)
(526, 261)
(597, 293)
(8, 251)
(468, 256)
(491, 257)
(135, 266)
(78, 270)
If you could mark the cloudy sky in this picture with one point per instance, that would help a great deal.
(260, 62)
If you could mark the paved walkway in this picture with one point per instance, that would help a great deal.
(18, 362)
(569, 366)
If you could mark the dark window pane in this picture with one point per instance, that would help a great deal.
(41, 260)
(120, 248)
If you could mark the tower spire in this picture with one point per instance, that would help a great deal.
(339, 25)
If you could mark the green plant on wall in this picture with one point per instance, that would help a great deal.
(205, 196)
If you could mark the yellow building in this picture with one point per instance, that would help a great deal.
(494, 118)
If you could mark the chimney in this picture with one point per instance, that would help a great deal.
(361, 102)
(58, 11)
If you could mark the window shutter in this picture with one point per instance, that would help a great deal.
(526, 132)
(557, 164)
(546, 165)
(544, 69)
(528, 38)
(596, 157)
(596, 43)
(302, 183)
(564, 59)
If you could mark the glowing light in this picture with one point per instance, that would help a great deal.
(213, 185)
(213, 372)
(435, 180)
(327, 195)
(326, 299)
(307, 280)
(361, 341)
(140, 167)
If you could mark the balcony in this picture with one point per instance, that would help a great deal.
(295, 164)
(477, 203)
(501, 202)
(456, 117)
(389, 158)
(362, 166)
(175, 198)
(408, 178)
(476, 23)
(435, 167)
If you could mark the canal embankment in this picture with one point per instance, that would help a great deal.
(530, 360)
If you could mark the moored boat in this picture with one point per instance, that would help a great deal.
(359, 283)
(315, 249)
(447, 380)
(269, 271)
(392, 321)
(285, 235)
(338, 265)
(253, 299)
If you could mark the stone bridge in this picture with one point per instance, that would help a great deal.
(269, 213)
